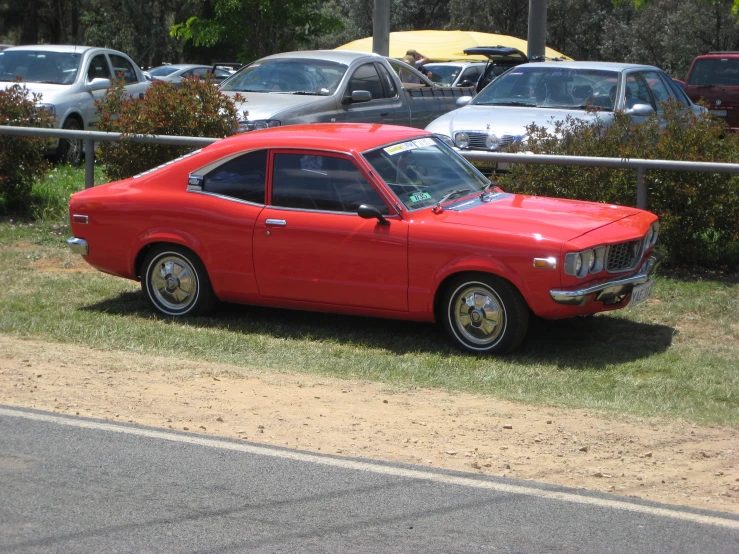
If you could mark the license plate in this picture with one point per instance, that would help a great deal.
(485, 165)
(719, 113)
(641, 292)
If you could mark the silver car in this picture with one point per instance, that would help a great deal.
(455, 74)
(174, 73)
(69, 80)
(544, 92)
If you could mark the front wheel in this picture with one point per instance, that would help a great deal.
(485, 314)
(70, 150)
(176, 282)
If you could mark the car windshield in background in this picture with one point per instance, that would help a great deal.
(715, 71)
(442, 74)
(288, 76)
(32, 66)
(421, 172)
(552, 87)
(162, 71)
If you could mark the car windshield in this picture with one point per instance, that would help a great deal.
(442, 73)
(38, 66)
(162, 71)
(715, 71)
(288, 76)
(552, 87)
(422, 171)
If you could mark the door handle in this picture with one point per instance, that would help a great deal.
(384, 114)
(276, 222)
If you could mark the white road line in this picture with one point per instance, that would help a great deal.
(376, 468)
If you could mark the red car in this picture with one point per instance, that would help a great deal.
(373, 220)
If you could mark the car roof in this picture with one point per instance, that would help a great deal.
(54, 48)
(179, 66)
(458, 63)
(607, 66)
(340, 137)
(339, 56)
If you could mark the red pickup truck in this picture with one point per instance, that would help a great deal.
(714, 78)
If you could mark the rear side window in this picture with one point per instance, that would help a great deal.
(242, 178)
(123, 68)
(715, 71)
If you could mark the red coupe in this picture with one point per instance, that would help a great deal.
(373, 220)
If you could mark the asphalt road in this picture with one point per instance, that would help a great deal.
(77, 485)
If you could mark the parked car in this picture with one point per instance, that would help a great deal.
(69, 80)
(174, 73)
(365, 219)
(714, 78)
(542, 93)
(316, 86)
(500, 60)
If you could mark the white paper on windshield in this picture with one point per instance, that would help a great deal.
(410, 145)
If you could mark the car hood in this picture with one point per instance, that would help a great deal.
(505, 120)
(48, 92)
(544, 218)
(264, 105)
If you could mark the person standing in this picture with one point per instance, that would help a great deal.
(417, 60)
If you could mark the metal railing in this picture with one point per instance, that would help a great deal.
(641, 166)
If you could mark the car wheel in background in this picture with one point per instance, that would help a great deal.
(176, 282)
(484, 314)
(70, 150)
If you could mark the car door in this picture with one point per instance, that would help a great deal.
(385, 106)
(135, 83)
(97, 68)
(636, 91)
(311, 246)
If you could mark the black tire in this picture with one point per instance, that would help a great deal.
(70, 150)
(176, 282)
(484, 314)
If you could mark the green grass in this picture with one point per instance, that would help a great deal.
(675, 357)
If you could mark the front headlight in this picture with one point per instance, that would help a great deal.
(651, 238)
(48, 107)
(257, 124)
(492, 142)
(580, 264)
(462, 140)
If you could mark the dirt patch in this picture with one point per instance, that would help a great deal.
(674, 463)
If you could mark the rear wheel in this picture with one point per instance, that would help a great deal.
(176, 282)
(485, 314)
(70, 150)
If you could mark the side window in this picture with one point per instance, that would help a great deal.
(98, 68)
(657, 86)
(123, 68)
(471, 74)
(314, 182)
(242, 178)
(201, 72)
(675, 90)
(637, 91)
(390, 85)
(366, 78)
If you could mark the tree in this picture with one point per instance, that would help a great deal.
(255, 28)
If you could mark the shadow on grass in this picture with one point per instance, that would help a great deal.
(594, 342)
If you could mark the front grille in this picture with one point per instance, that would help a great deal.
(478, 141)
(623, 256)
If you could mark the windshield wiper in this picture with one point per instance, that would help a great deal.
(456, 192)
(513, 104)
(305, 93)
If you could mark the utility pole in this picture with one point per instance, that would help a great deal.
(537, 41)
(381, 28)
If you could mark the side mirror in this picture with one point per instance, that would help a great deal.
(466, 83)
(365, 211)
(97, 84)
(360, 96)
(640, 110)
(463, 101)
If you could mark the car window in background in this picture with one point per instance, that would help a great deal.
(123, 68)
(715, 71)
(32, 66)
(162, 71)
(326, 183)
(242, 178)
(295, 76)
(637, 91)
(443, 74)
(675, 90)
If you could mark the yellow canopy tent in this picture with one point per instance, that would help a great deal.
(444, 45)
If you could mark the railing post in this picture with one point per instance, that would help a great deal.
(641, 188)
(89, 163)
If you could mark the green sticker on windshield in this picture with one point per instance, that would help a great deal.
(419, 197)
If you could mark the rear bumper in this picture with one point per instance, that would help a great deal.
(608, 291)
(78, 246)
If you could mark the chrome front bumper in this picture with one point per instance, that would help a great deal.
(609, 290)
(78, 246)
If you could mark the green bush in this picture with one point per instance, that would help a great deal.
(22, 159)
(699, 212)
(196, 109)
